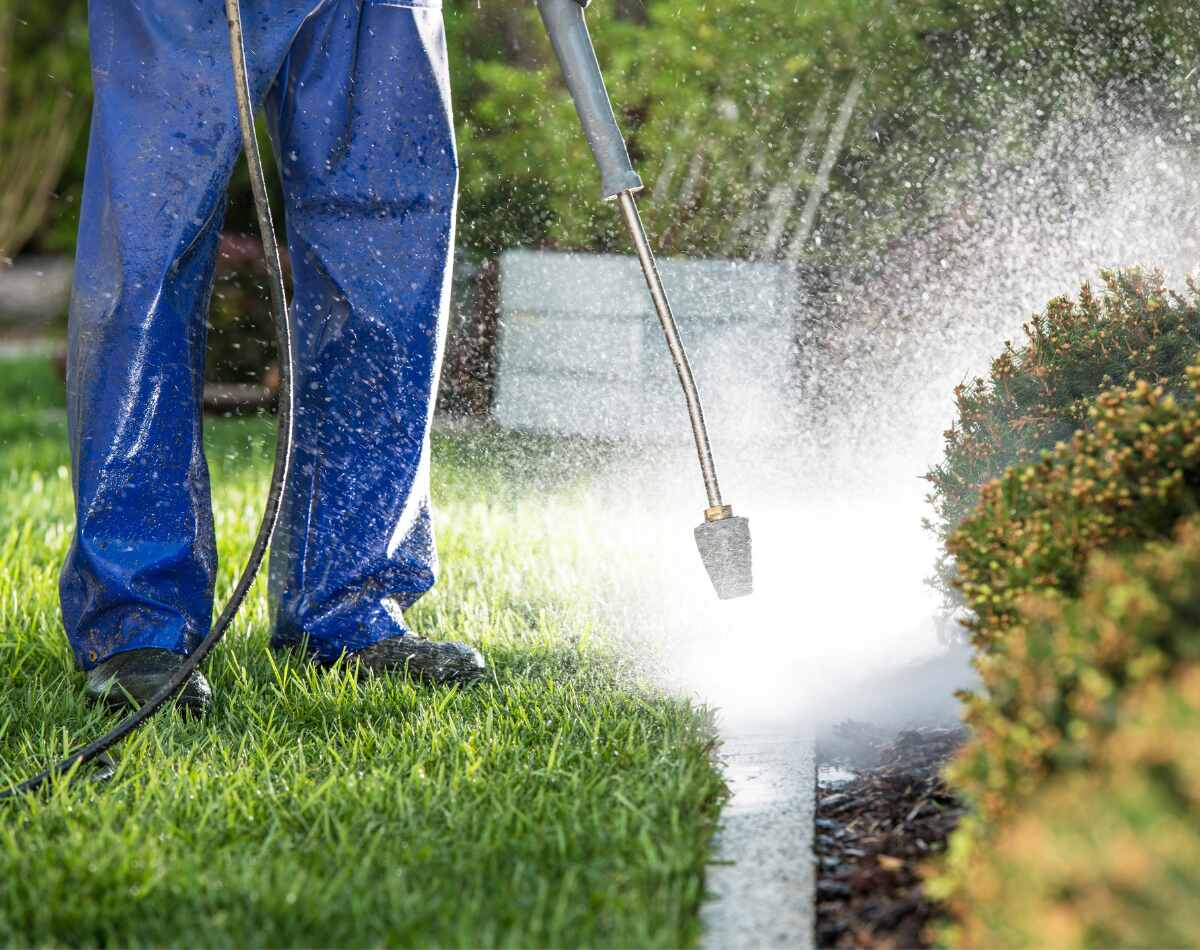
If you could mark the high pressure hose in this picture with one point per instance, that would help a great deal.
(283, 445)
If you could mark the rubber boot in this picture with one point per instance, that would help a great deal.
(436, 662)
(137, 676)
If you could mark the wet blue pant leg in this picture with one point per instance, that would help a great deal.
(163, 142)
(362, 125)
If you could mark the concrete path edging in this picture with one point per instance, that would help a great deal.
(762, 882)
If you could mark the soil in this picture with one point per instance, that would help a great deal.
(882, 812)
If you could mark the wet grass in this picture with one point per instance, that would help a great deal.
(564, 803)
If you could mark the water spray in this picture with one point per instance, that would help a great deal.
(723, 538)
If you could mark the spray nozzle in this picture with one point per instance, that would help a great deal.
(724, 543)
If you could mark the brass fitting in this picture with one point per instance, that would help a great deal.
(718, 512)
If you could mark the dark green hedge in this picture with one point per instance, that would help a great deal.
(1082, 573)
(1038, 393)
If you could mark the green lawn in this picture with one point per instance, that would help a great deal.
(567, 802)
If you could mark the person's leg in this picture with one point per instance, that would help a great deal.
(163, 142)
(363, 128)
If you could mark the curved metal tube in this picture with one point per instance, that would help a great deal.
(683, 366)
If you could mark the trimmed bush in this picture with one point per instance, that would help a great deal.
(1122, 870)
(1037, 394)
(1124, 480)
(1082, 575)
(1094, 705)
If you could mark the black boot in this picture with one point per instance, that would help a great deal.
(432, 661)
(139, 675)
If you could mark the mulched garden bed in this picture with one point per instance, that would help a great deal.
(882, 811)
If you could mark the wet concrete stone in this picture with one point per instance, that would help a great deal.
(761, 885)
(580, 350)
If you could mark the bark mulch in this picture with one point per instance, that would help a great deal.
(874, 830)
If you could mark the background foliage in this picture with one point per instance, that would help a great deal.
(731, 106)
(44, 99)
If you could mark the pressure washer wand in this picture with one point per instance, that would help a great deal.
(723, 539)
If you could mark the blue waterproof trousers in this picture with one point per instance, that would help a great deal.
(358, 99)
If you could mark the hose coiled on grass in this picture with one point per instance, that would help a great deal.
(283, 445)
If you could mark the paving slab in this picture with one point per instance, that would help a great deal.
(762, 882)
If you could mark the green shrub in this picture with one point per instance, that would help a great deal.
(1054, 675)
(1081, 572)
(1125, 479)
(1038, 393)
(1082, 766)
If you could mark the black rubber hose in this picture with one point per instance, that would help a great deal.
(283, 445)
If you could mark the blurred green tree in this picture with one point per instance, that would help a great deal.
(763, 128)
(43, 106)
(728, 106)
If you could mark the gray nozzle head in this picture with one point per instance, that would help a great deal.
(725, 550)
